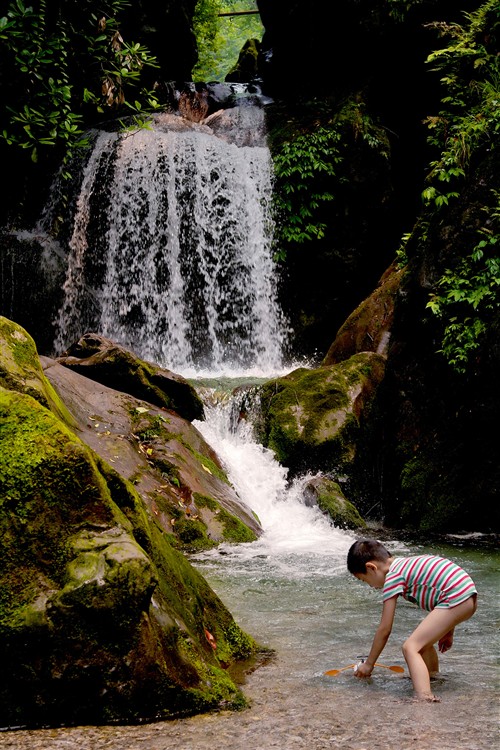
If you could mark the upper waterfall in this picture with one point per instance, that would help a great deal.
(171, 248)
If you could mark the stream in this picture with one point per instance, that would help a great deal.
(291, 591)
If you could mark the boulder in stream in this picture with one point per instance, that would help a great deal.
(311, 418)
(328, 496)
(102, 619)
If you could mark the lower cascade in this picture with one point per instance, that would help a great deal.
(171, 245)
(291, 527)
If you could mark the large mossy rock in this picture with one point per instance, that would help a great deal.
(311, 418)
(20, 368)
(101, 618)
(368, 328)
(176, 473)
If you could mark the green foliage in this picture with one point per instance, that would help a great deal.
(398, 9)
(470, 294)
(298, 164)
(309, 170)
(59, 64)
(220, 39)
(468, 125)
(470, 118)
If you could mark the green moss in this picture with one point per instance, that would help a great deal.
(234, 530)
(135, 478)
(310, 418)
(50, 483)
(222, 691)
(204, 501)
(20, 369)
(80, 558)
(193, 534)
(167, 469)
(332, 501)
(241, 645)
(430, 500)
(208, 464)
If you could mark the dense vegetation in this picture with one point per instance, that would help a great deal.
(62, 68)
(221, 37)
(464, 130)
(311, 169)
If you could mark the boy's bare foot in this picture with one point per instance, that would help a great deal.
(427, 699)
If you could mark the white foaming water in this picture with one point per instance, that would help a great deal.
(298, 540)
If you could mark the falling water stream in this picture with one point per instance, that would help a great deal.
(171, 250)
(188, 280)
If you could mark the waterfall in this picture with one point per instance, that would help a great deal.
(171, 252)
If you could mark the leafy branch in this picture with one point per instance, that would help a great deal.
(46, 62)
(309, 170)
(469, 296)
(470, 118)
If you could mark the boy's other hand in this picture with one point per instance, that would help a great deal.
(446, 642)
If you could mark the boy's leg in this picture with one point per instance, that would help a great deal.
(437, 624)
(430, 657)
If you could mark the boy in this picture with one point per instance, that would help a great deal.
(435, 584)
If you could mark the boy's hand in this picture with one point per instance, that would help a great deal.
(446, 642)
(363, 670)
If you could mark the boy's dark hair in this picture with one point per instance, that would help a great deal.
(363, 551)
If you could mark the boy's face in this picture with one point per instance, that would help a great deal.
(374, 576)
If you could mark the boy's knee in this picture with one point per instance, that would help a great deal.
(407, 647)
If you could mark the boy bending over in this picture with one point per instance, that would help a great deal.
(435, 584)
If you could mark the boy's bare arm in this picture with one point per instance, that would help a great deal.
(380, 639)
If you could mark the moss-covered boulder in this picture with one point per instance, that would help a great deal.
(101, 618)
(246, 68)
(328, 496)
(111, 364)
(21, 370)
(368, 327)
(311, 419)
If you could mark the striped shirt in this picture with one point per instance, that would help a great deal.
(428, 581)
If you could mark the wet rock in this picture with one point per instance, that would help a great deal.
(176, 473)
(246, 68)
(111, 364)
(368, 327)
(328, 496)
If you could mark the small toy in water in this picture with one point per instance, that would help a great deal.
(354, 667)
